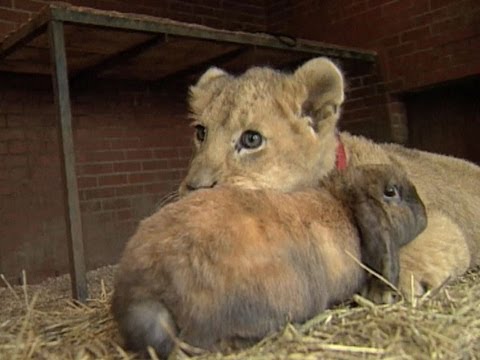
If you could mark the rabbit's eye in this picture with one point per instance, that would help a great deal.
(391, 192)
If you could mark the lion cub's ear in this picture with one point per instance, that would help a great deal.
(210, 83)
(323, 81)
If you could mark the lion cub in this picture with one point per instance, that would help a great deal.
(232, 264)
(265, 129)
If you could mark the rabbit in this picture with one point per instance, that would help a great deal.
(227, 264)
(380, 214)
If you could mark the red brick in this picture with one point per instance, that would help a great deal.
(90, 206)
(375, 3)
(85, 182)
(110, 133)
(3, 148)
(6, 3)
(124, 143)
(3, 121)
(142, 178)
(390, 41)
(359, 92)
(212, 3)
(403, 49)
(17, 147)
(112, 204)
(356, 7)
(435, 4)
(18, 174)
(353, 104)
(124, 215)
(361, 113)
(138, 154)
(256, 11)
(16, 161)
(447, 25)
(155, 188)
(11, 134)
(178, 163)
(101, 156)
(185, 152)
(186, 17)
(181, 6)
(112, 180)
(127, 166)
(416, 34)
(98, 193)
(95, 144)
(29, 5)
(6, 28)
(13, 16)
(155, 165)
(166, 153)
(371, 79)
(170, 175)
(420, 6)
(95, 169)
(209, 11)
(374, 100)
(397, 7)
(6, 188)
(129, 190)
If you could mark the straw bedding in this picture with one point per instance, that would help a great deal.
(41, 322)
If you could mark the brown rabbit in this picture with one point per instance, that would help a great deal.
(233, 264)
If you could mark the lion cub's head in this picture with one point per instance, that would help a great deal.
(265, 129)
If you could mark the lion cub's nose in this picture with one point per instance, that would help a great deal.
(196, 185)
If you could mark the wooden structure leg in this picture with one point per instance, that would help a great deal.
(67, 157)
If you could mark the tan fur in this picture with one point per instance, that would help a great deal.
(297, 115)
(233, 263)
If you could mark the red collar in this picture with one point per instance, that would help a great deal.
(341, 156)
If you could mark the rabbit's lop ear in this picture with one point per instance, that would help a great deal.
(379, 248)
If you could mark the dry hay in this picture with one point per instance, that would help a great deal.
(40, 322)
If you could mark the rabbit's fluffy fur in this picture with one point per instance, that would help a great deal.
(228, 264)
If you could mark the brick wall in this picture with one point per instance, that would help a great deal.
(420, 43)
(133, 143)
(132, 148)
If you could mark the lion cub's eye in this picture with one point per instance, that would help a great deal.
(200, 132)
(391, 192)
(251, 139)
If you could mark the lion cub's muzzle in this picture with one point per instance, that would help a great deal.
(196, 180)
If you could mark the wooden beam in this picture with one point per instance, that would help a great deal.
(149, 24)
(72, 216)
(25, 33)
(118, 58)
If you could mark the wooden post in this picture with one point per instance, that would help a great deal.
(67, 157)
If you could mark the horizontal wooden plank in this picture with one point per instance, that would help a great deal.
(94, 36)
(149, 24)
